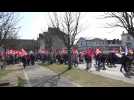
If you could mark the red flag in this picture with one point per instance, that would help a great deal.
(16, 52)
(10, 52)
(23, 52)
(75, 51)
(13, 52)
(98, 51)
(20, 54)
(90, 52)
(7, 52)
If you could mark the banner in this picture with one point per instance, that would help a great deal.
(64, 51)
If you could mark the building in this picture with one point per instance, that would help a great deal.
(105, 44)
(54, 38)
(127, 40)
(27, 44)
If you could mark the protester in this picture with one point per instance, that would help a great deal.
(24, 61)
(75, 60)
(129, 62)
(65, 58)
(32, 57)
(2, 63)
(28, 59)
(81, 61)
(99, 62)
(103, 59)
(124, 66)
(88, 60)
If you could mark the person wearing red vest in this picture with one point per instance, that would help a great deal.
(75, 60)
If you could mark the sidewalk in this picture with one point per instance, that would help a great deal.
(38, 76)
(113, 73)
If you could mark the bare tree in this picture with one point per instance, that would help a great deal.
(123, 19)
(8, 26)
(67, 22)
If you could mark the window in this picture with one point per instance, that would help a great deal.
(86, 43)
(81, 43)
(108, 42)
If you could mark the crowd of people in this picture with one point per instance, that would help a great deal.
(101, 60)
(26, 60)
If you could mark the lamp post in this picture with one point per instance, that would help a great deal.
(4, 56)
(37, 45)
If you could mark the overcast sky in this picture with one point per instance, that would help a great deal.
(93, 25)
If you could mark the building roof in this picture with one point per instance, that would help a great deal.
(97, 39)
(20, 43)
(125, 34)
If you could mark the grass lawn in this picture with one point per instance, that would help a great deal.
(85, 78)
(13, 74)
(20, 82)
(3, 73)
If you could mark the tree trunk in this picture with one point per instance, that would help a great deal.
(69, 58)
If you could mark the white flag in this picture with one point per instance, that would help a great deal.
(126, 50)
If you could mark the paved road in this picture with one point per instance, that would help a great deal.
(113, 73)
(38, 76)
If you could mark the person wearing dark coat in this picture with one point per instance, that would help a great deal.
(88, 60)
(96, 59)
(58, 58)
(32, 59)
(28, 58)
(103, 58)
(124, 61)
(65, 58)
(98, 62)
(129, 62)
(24, 61)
